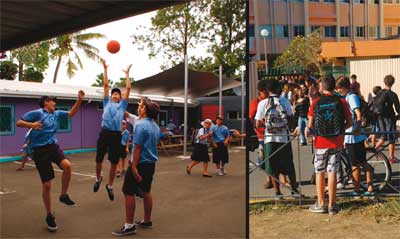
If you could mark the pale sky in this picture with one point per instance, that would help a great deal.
(121, 31)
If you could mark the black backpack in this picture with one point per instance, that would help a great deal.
(380, 103)
(366, 114)
(329, 119)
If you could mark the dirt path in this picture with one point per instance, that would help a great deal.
(368, 221)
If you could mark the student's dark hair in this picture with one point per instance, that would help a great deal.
(376, 89)
(275, 87)
(152, 109)
(261, 85)
(353, 76)
(389, 80)
(343, 82)
(328, 83)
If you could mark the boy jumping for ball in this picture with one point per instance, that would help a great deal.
(109, 140)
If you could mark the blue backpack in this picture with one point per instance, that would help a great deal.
(329, 119)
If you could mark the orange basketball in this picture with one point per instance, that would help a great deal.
(113, 46)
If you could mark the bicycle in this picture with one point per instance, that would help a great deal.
(382, 170)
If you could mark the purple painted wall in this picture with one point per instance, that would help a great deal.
(85, 127)
(79, 137)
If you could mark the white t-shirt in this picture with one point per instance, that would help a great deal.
(262, 110)
(132, 119)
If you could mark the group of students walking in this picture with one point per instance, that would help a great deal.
(335, 118)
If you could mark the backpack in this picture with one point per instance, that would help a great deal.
(380, 103)
(276, 119)
(329, 120)
(366, 114)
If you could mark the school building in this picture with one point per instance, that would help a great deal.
(81, 131)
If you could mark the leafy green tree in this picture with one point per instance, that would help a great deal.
(35, 56)
(8, 70)
(174, 31)
(122, 82)
(30, 74)
(227, 33)
(67, 46)
(302, 52)
(99, 81)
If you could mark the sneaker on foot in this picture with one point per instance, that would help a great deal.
(220, 173)
(317, 208)
(110, 193)
(394, 160)
(278, 196)
(125, 231)
(333, 210)
(340, 186)
(355, 194)
(96, 185)
(66, 200)
(143, 224)
(369, 194)
(51, 223)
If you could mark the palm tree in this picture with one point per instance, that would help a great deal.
(67, 46)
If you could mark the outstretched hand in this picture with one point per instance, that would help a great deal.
(81, 94)
(127, 69)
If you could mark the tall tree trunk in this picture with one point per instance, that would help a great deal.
(20, 71)
(57, 68)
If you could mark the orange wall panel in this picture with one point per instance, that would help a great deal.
(344, 15)
(298, 13)
(363, 48)
(373, 15)
(323, 14)
(391, 14)
(281, 13)
(358, 14)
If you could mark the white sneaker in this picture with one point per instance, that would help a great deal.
(340, 186)
(220, 173)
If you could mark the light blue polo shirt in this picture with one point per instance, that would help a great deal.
(113, 114)
(220, 133)
(354, 103)
(49, 126)
(125, 137)
(147, 134)
(201, 132)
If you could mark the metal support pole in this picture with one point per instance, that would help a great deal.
(298, 161)
(220, 90)
(185, 128)
(243, 92)
(265, 56)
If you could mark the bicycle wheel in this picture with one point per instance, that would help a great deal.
(382, 170)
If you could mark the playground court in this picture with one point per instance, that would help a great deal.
(184, 206)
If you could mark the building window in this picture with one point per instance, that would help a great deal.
(282, 31)
(387, 1)
(358, 1)
(298, 30)
(346, 1)
(373, 32)
(330, 31)
(332, 1)
(314, 28)
(162, 118)
(268, 27)
(388, 31)
(314, 0)
(251, 43)
(234, 115)
(360, 31)
(64, 124)
(344, 31)
(373, 1)
(392, 1)
(7, 120)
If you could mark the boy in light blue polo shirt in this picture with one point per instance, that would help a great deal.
(139, 176)
(221, 137)
(43, 126)
(355, 143)
(109, 140)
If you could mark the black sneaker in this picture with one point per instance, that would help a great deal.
(124, 232)
(51, 223)
(143, 224)
(96, 185)
(110, 193)
(66, 200)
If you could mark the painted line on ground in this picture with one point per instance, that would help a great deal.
(58, 170)
(4, 193)
(66, 152)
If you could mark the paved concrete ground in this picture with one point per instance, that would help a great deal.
(184, 206)
(257, 178)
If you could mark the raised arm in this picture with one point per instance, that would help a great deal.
(75, 107)
(127, 82)
(105, 78)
